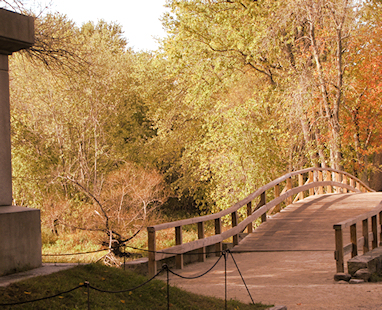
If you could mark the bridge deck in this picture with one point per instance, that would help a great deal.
(308, 225)
(291, 259)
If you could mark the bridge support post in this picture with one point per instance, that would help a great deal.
(339, 253)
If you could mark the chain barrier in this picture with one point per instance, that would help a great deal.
(44, 298)
(165, 268)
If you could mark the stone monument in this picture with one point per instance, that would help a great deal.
(20, 228)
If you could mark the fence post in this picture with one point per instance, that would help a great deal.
(178, 241)
(152, 249)
(249, 212)
(234, 224)
(218, 231)
(202, 254)
(365, 233)
(339, 253)
(374, 230)
(353, 240)
(352, 182)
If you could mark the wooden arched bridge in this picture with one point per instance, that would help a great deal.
(315, 209)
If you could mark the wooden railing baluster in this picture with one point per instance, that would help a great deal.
(320, 179)
(329, 188)
(365, 233)
(202, 254)
(178, 241)
(339, 256)
(289, 187)
(234, 224)
(277, 194)
(262, 203)
(301, 183)
(353, 240)
(249, 212)
(374, 230)
(311, 190)
(218, 231)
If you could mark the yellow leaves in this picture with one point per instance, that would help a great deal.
(27, 293)
(122, 301)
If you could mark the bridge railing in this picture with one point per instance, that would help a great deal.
(368, 236)
(310, 181)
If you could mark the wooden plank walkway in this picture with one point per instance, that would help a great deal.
(308, 225)
(290, 261)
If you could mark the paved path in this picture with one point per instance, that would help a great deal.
(291, 260)
(41, 271)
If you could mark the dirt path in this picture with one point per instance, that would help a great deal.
(280, 279)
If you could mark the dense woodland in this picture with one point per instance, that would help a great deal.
(239, 92)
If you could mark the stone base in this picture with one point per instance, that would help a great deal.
(20, 243)
(371, 260)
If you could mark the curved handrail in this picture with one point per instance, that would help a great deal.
(258, 212)
(253, 196)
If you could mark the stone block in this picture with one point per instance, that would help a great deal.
(342, 277)
(371, 260)
(20, 245)
(16, 31)
(356, 281)
(363, 274)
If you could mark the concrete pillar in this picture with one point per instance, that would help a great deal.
(20, 228)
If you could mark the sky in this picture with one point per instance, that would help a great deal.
(139, 18)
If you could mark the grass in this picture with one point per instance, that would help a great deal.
(150, 296)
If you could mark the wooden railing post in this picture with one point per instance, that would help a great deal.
(374, 230)
(344, 181)
(277, 194)
(301, 195)
(311, 190)
(249, 212)
(320, 179)
(234, 223)
(329, 189)
(352, 182)
(358, 186)
(289, 187)
(339, 253)
(353, 240)
(152, 264)
(202, 254)
(218, 231)
(338, 179)
(380, 226)
(178, 241)
(262, 203)
(365, 233)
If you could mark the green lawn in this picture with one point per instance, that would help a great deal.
(150, 296)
